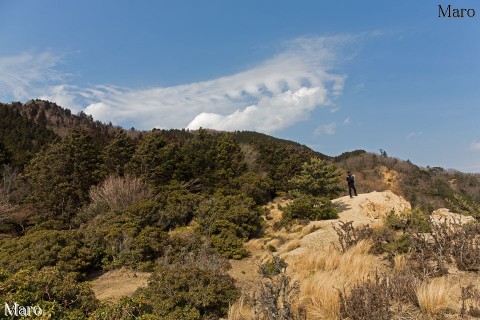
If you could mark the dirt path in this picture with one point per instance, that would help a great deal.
(113, 285)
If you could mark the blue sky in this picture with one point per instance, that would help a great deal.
(334, 75)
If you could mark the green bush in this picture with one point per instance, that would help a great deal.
(57, 292)
(127, 308)
(65, 249)
(187, 291)
(317, 178)
(412, 221)
(257, 186)
(127, 239)
(228, 221)
(311, 208)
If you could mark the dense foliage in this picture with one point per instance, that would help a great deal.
(78, 197)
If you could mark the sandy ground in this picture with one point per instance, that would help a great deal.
(113, 285)
(368, 208)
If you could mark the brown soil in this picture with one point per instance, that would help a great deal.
(113, 285)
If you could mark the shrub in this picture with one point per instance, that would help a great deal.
(228, 221)
(178, 206)
(374, 298)
(348, 236)
(187, 291)
(127, 308)
(128, 238)
(119, 192)
(276, 293)
(57, 292)
(311, 208)
(412, 221)
(470, 297)
(257, 186)
(317, 178)
(65, 249)
(447, 241)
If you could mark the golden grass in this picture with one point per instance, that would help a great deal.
(277, 242)
(356, 258)
(321, 273)
(255, 245)
(310, 228)
(319, 296)
(120, 192)
(292, 245)
(400, 263)
(436, 296)
(240, 310)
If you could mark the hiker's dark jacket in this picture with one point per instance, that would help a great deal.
(351, 180)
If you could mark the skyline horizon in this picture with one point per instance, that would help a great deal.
(376, 76)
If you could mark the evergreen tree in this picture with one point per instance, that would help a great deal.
(61, 176)
(317, 178)
(214, 160)
(155, 159)
(5, 156)
(117, 153)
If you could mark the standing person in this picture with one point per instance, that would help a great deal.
(351, 183)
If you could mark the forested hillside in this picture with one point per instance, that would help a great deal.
(79, 197)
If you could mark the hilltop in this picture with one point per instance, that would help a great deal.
(26, 128)
(175, 216)
(331, 263)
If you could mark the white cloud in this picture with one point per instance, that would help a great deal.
(475, 145)
(24, 75)
(414, 134)
(347, 121)
(328, 129)
(273, 95)
(64, 95)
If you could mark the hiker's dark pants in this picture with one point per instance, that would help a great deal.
(350, 187)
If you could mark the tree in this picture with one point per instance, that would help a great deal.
(155, 159)
(5, 155)
(213, 160)
(317, 178)
(61, 176)
(228, 221)
(117, 153)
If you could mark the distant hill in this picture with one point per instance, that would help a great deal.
(26, 128)
(427, 188)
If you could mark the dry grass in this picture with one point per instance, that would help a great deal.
(115, 284)
(322, 273)
(275, 242)
(120, 192)
(310, 228)
(400, 263)
(255, 245)
(355, 258)
(319, 296)
(292, 245)
(240, 310)
(436, 296)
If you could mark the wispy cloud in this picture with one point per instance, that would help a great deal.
(327, 129)
(414, 134)
(475, 145)
(275, 94)
(23, 75)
